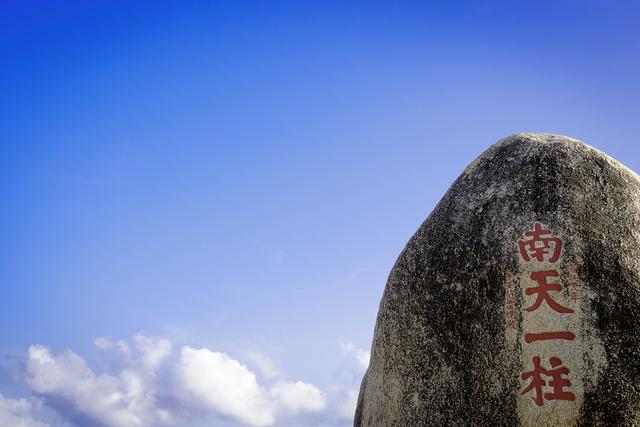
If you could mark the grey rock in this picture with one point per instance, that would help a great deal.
(449, 346)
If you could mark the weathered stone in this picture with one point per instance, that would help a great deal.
(451, 343)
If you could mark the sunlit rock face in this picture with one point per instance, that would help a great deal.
(517, 300)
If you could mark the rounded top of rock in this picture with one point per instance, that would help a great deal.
(545, 141)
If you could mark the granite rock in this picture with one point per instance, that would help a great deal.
(516, 301)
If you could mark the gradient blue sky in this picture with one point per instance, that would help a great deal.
(241, 176)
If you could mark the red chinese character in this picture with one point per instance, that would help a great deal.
(540, 244)
(557, 382)
(543, 290)
(544, 336)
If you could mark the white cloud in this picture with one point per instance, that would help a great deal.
(153, 351)
(266, 366)
(18, 413)
(296, 397)
(362, 356)
(150, 388)
(103, 343)
(125, 400)
(347, 407)
(224, 385)
(229, 388)
(346, 393)
(122, 348)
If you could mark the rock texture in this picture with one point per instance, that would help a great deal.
(473, 299)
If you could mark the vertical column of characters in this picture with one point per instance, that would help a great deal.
(546, 380)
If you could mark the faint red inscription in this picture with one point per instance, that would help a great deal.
(573, 279)
(539, 244)
(557, 381)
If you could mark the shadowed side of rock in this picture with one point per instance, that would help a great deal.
(448, 351)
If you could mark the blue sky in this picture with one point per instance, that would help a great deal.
(223, 188)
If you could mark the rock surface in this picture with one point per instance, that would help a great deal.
(531, 259)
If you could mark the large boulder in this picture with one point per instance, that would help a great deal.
(517, 302)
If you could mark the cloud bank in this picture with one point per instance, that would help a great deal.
(18, 413)
(155, 385)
